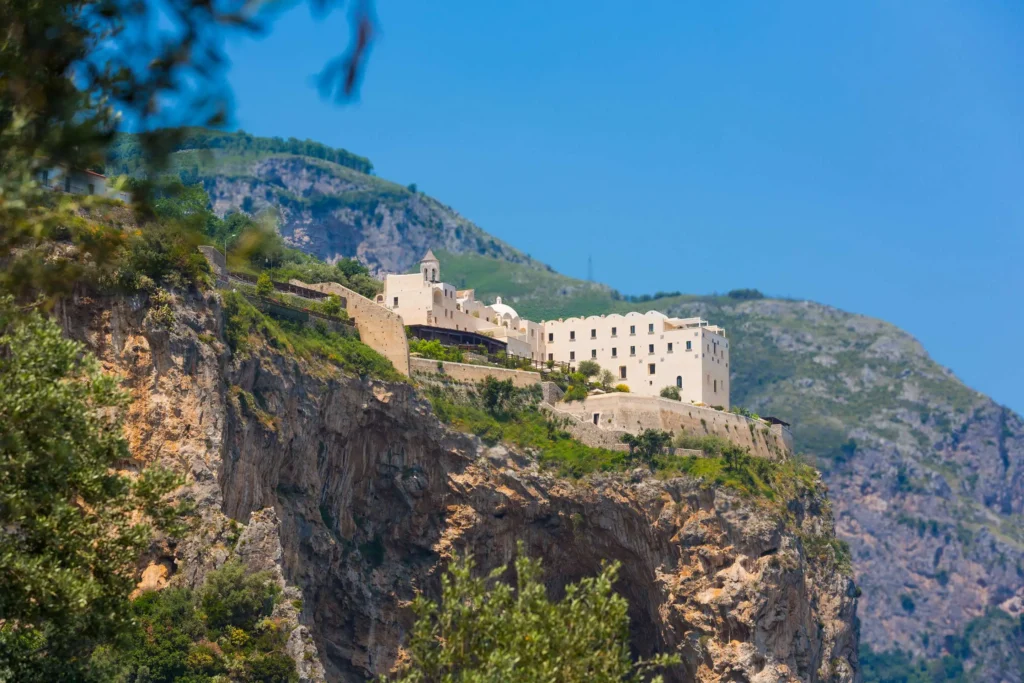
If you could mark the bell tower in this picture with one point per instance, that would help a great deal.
(430, 267)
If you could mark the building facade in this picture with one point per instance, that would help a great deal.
(648, 352)
(644, 351)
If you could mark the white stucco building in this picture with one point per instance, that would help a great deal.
(648, 352)
(645, 351)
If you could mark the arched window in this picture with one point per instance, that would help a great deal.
(679, 381)
(433, 274)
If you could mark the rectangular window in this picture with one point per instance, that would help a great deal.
(593, 334)
(572, 335)
(572, 355)
(650, 328)
(632, 329)
(615, 331)
(716, 385)
(615, 352)
(632, 350)
(689, 346)
(593, 353)
(396, 301)
(650, 349)
(551, 356)
(650, 368)
(551, 337)
(670, 347)
(622, 372)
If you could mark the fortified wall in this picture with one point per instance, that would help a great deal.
(621, 412)
(379, 328)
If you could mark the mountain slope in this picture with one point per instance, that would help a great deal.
(326, 208)
(927, 475)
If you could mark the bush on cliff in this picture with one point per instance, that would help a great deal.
(486, 630)
(222, 629)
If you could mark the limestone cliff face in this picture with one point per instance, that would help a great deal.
(357, 495)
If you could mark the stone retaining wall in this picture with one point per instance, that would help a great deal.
(464, 372)
(620, 412)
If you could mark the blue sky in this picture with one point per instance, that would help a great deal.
(869, 156)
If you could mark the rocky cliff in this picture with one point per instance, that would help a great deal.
(357, 496)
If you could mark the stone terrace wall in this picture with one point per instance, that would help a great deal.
(380, 329)
(464, 372)
(620, 412)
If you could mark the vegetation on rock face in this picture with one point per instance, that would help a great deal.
(486, 630)
(221, 631)
(518, 422)
(246, 327)
(73, 525)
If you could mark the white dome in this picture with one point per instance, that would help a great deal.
(504, 309)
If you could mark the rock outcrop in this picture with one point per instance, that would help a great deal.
(357, 495)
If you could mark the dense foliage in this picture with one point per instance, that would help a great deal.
(128, 157)
(436, 350)
(74, 525)
(646, 446)
(222, 631)
(486, 630)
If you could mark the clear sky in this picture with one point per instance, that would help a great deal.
(869, 156)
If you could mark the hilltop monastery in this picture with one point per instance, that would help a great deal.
(645, 351)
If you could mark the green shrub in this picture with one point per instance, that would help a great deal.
(496, 395)
(264, 285)
(331, 305)
(671, 392)
(646, 445)
(233, 596)
(589, 368)
(576, 392)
